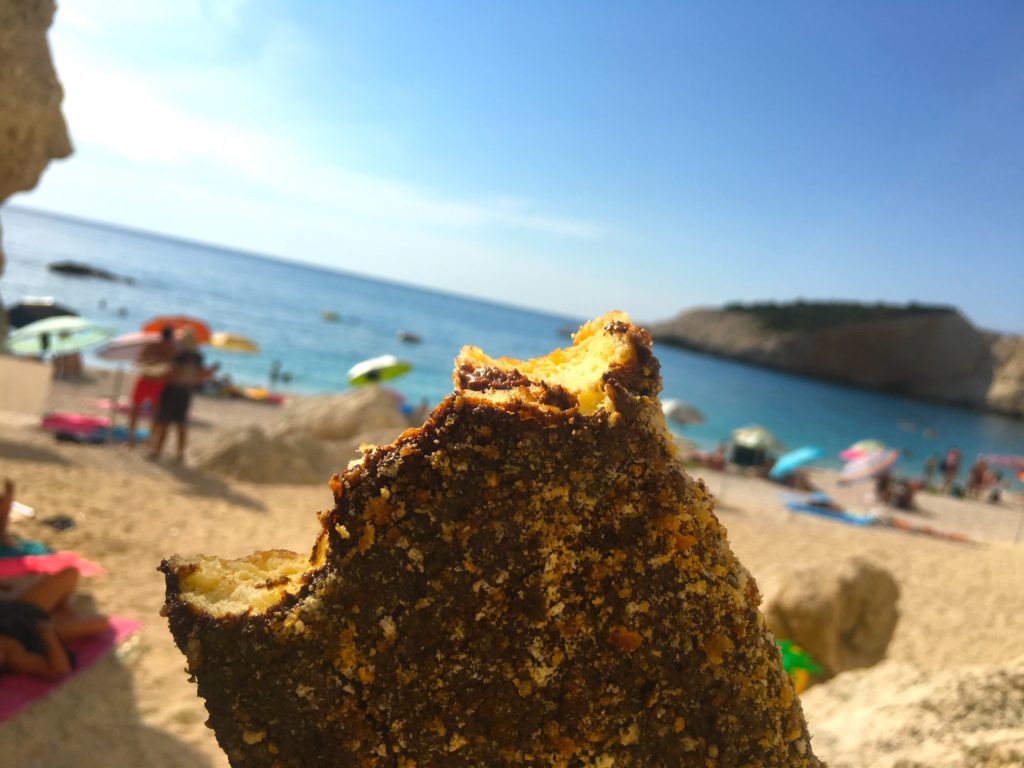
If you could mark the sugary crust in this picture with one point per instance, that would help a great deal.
(513, 583)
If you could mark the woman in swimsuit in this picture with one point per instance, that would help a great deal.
(37, 621)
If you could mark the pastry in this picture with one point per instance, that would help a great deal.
(529, 578)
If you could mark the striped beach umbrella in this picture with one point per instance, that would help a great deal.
(871, 465)
(861, 448)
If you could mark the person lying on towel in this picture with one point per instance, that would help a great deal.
(37, 620)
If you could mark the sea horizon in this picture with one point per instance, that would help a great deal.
(311, 265)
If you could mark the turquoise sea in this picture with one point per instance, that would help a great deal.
(279, 304)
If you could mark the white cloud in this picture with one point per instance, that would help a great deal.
(122, 112)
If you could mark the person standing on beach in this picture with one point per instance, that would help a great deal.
(187, 373)
(154, 366)
(929, 469)
(950, 468)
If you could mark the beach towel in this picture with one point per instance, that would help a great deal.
(23, 565)
(18, 691)
(23, 547)
(831, 514)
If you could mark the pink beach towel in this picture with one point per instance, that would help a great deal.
(13, 567)
(73, 423)
(18, 691)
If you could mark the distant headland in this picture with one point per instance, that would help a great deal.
(918, 350)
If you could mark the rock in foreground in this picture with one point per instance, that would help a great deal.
(527, 579)
(897, 716)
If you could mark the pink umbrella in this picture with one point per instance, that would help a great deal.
(125, 349)
(870, 465)
(861, 448)
(128, 347)
(1016, 463)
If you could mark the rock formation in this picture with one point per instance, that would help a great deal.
(1007, 391)
(32, 129)
(844, 615)
(928, 352)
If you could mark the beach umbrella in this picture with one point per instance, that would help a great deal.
(376, 369)
(861, 448)
(127, 348)
(1015, 463)
(180, 323)
(756, 438)
(57, 335)
(792, 461)
(868, 466)
(681, 413)
(31, 309)
(233, 342)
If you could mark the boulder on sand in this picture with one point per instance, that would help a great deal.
(844, 615)
(345, 416)
(312, 439)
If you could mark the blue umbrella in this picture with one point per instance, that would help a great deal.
(793, 460)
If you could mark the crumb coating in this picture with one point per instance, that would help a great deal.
(527, 579)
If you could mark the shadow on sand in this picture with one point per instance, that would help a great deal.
(201, 484)
(93, 720)
(24, 452)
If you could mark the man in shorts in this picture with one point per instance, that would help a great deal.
(187, 373)
(154, 365)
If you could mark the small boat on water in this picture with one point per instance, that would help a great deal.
(377, 369)
(409, 337)
(329, 316)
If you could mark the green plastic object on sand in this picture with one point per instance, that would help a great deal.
(798, 664)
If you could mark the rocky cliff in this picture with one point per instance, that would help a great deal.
(928, 352)
(32, 129)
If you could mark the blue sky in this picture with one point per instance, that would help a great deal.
(572, 156)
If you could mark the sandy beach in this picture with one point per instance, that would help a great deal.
(960, 605)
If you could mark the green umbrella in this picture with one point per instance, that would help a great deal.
(755, 437)
(56, 335)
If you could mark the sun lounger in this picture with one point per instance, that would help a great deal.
(18, 691)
